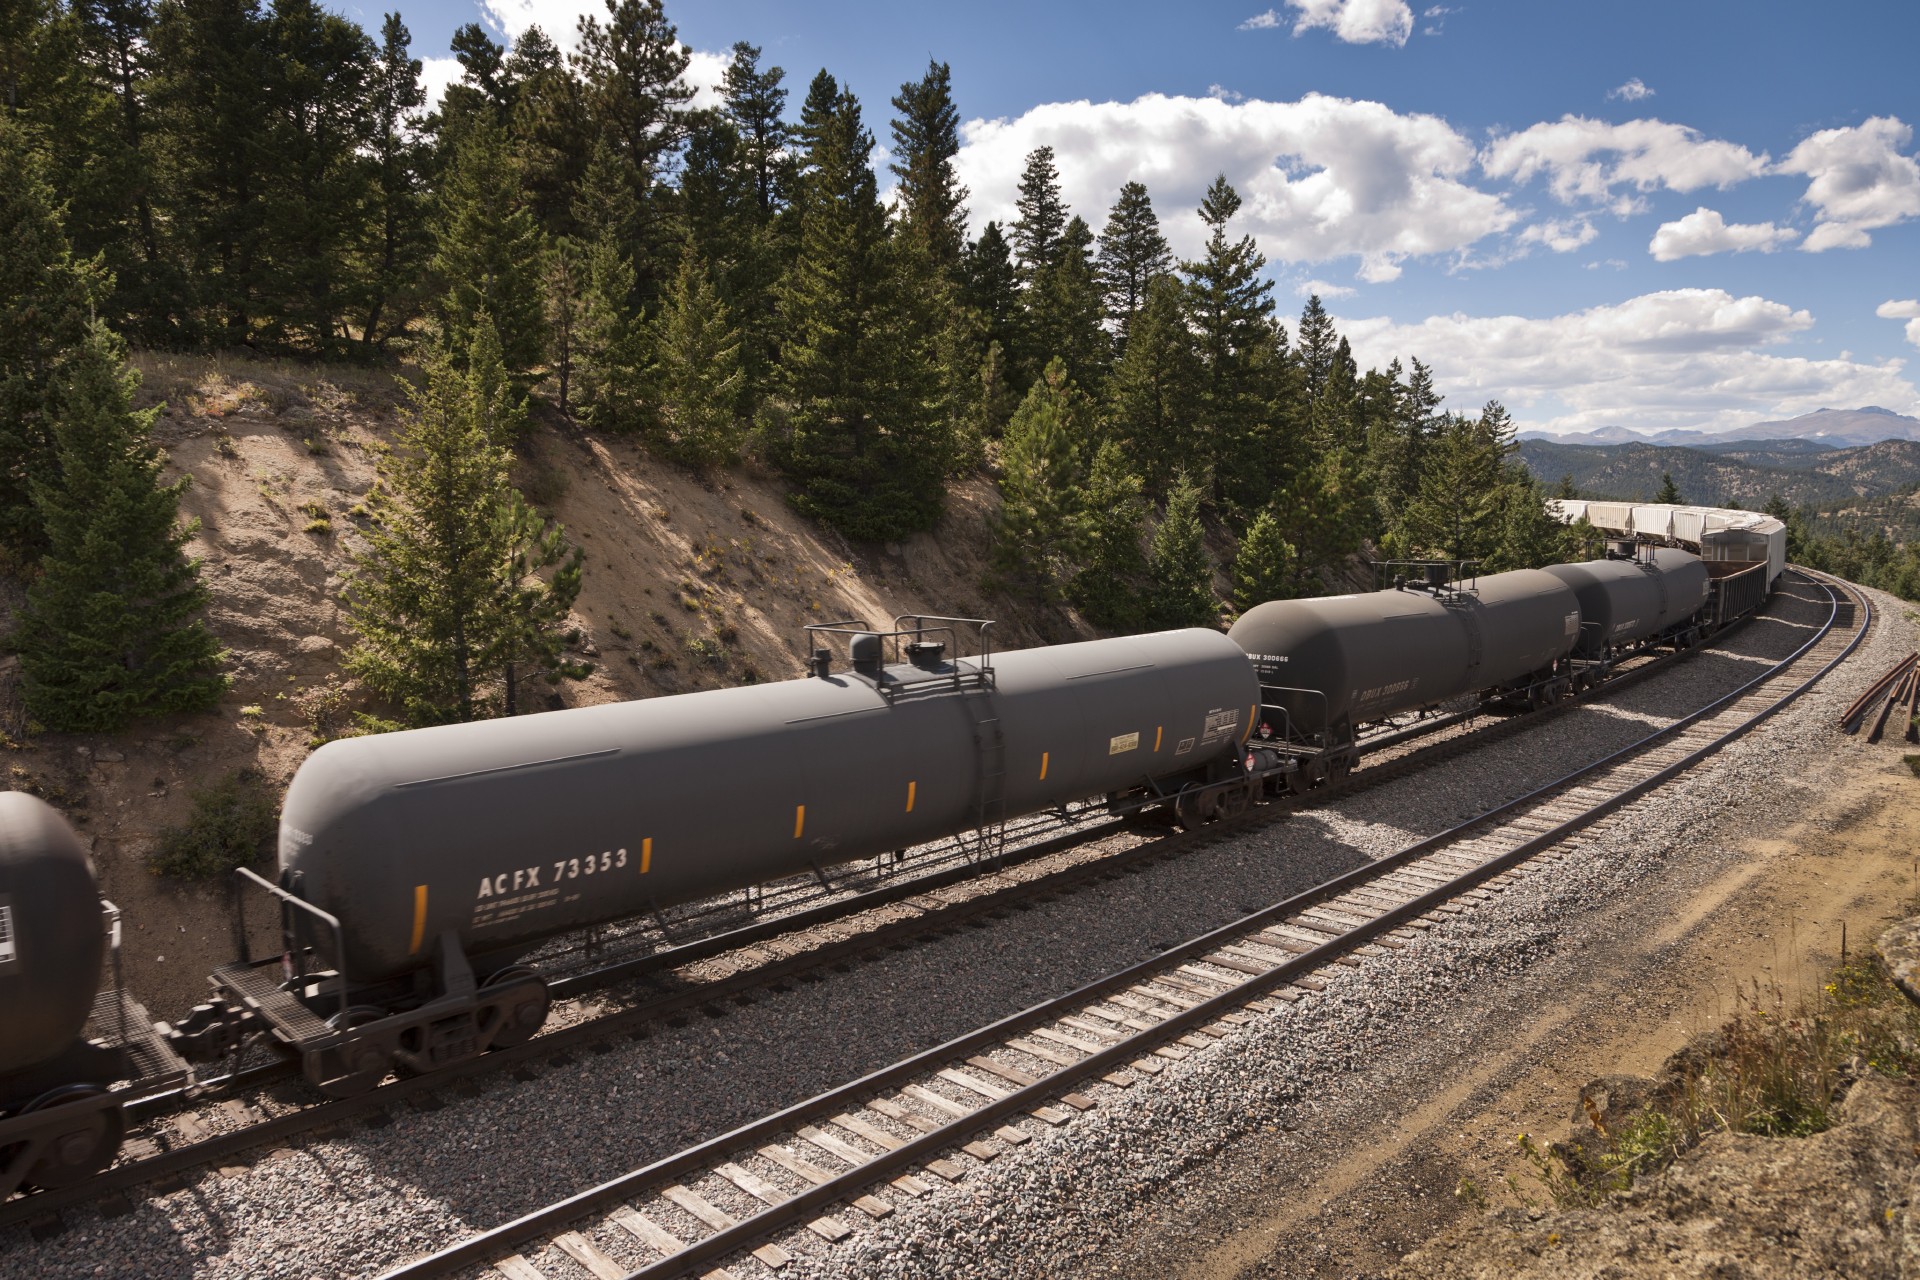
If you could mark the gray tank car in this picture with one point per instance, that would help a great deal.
(1633, 598)
(65, 1044)
(505, 832)
(416, 867)
(52, 943)
(1329, 665)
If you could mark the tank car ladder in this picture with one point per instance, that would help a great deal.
(988, 839)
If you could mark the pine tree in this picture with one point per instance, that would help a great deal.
(611, 359)
(1669, 492)
(700, 371)
(990, 286)
(566, 289)
(46, 299)
(400, 243)
(633, 66)
(1043, 213)
(1180, 575)
(211, 98)
(448, 606)
(1107, 586)
(552, 134)
(1267, 564)
(1064, 310)
(1153, 397)
(488, 255)
(315, 172)
(1043, 466)
(864, 440)
(1230, 306)
(755, 103)
(1315, 342)
(1132, 254)
(111, 197)
(926, 138)
(111, 628)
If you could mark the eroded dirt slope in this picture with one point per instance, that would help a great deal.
(691, 582)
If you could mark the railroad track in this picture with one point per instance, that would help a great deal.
(158, 1154)
(896, 1134)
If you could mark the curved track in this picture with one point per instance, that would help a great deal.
(899, 1131)
(663, 997)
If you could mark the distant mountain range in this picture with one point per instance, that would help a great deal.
(1734, 473)
(1828, 428)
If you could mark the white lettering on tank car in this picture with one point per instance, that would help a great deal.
(296, 835)
(1221, 725)
(1629, 624)
(1573, 623)
(1121, 743)
(1186, 745)
(1384, 691)
(9, 950)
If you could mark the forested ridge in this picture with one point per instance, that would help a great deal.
(568, 231)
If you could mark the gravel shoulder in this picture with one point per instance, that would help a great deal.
(1313, 1143)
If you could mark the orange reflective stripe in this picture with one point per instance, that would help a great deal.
(646, 855)
(799, 820)
(419, 918)
(910, 789)
(1043, 766)
(1157, 731)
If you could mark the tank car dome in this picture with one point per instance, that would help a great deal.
(52, 941)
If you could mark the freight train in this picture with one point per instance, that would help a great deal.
(417, 869)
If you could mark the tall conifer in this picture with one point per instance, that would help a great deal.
(1132, 255)
(700, 369)
(448, 604)
(487, 255)
(926, 139)
(1043, 467)
(111, 628)
(1180, 575)
(46, 300)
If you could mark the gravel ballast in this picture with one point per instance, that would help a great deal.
(361, 1201)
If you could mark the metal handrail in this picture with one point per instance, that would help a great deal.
(292, 900)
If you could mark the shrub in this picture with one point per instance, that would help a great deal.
(233, 823)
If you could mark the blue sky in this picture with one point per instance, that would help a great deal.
(1683, 214)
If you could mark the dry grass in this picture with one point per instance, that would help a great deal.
(221, 385)
(1777, 1068)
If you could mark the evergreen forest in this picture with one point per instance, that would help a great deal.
(565, 236)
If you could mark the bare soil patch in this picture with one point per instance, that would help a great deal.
(1351, 1199)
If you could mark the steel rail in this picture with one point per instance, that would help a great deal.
(804, 1204)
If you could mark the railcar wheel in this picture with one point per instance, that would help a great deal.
(1233, 802)
(1300, 781)
(85, 1146)
(368, 1062)
(1193, 808)
(523, 1004)
(1337, 772)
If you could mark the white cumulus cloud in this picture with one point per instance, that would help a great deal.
(435, 75)
(1585, 160)
(704, 73)
(1559, 236)
(1321, 178)
(1704, 231)
(1690, 358)
(1634, 90)
(1909, 310)
(1860, 181)
(1354, 21)
(1322, 289)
